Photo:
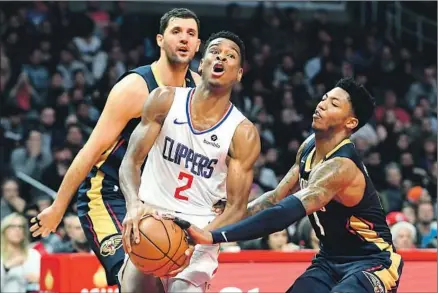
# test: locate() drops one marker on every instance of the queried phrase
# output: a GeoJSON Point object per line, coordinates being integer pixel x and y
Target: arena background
{"type": "Point", "coordinates": [60, 59]}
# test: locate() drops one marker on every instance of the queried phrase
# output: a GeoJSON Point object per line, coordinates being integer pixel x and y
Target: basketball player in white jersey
{"type": "Point", "coordinates": [201, 149]}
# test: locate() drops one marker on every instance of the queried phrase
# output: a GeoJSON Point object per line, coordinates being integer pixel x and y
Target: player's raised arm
{"type": "Point", "coordinates": [124, 103]}
{"type": "Point", "coordinates": [143, 137]}
{"type": "Point", "coordinates": [287, 185]}
{"type": "Point", "coordinates": [324, 183]}
{"type": "Point", "coordinates": [244, 151]}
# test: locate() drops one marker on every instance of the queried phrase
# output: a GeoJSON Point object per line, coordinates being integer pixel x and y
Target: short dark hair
{"type": "Point", "coordinates": [230, 36]}
{"type": "Point", "coordinates": [362, 101]}
{"type": "Point", "coordinates": [177, 13]}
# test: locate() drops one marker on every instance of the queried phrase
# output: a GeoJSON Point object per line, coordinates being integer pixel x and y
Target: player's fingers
{"type": "Point", "coordinates": [189, 252]}
{"type": "Point", "coordinates": [37, 233]}
{"type": "Point", "coordinates": [34, 228]}
{"type": "Point", "coordinates": [168, 216]}
{"type": "Point", "coordinates": [127, 236]}
{"type": "Point", "coordinates": [156, 215]}
{"type": "Point", "coordinates": [176, 272]}
{"type": "Point", "coordinates": [136, 232]}
{"type": "Point", "coordinates": [182, 223]}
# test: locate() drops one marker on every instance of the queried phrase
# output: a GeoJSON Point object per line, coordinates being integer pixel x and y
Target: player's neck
{"type": "Point", "coordinates": [208, 101]}
{"type": "Point", "coordinates": [326, 142]}
{"type": "Point", "coordinates": [171, 74]}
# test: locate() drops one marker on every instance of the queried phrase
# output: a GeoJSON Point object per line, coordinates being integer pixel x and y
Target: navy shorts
{"type": "Point", "coordinates": [101, 210]}
{"type": "Point", "coordinates": [375, 274]}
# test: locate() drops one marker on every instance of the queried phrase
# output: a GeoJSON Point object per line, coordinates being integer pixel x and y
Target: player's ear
{"type": "Point", "coordinates": [198, 44]}
{"type": "Point", "coordinates": [160, 39]}
{"type": "Point", "coordinates": [200, 66]}
{"type": "Point", "coordinates": [239, 74]}
{"type": "Point", "coordinates": [352, 123]}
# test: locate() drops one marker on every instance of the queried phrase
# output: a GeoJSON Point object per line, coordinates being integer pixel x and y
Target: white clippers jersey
{"type": "Point", "coordinates": [186, 169]}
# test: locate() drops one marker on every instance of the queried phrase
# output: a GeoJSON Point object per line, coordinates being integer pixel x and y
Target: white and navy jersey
{"type": "Point", "coordinates": [186, 169]}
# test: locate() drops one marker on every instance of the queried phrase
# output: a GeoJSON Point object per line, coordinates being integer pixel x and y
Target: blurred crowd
{"type": "Point", "coordinates": [57, 68]}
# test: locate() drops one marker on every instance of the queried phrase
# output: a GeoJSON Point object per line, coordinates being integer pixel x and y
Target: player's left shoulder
{"type": "Point", "coordinates": [246, 132]}
{"type": "Point", "coordinates": [246, 141]}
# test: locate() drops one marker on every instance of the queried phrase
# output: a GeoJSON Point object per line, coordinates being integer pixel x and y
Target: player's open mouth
{"type": "Point", "coordinates": [218, 69]}
{"type": "Point", "coordinates": [183, 50]}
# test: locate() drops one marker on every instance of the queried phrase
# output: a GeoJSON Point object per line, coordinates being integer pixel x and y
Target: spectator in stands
{"type": "Point", "coordinates": [77, 242]}
{"type": "Point", "coordinates": [20, 264]}
{"type": "Point", "coordinates": [53, 174]}
{"type": "Point", "coordinates": [425, 216]}
{"type": "Point", "coordinates": [31, 159]}
{"type": "Point", "coordinates": [391, 104]}
{"type": "Point", "coordinates": [68, 66]}
{"type": "Point", "coordinates": [278, 241]}
{"type": "Point", "coordinates": [410, 213]}
{"type": "Point", "coordinates": [11, 201]}
{"type": "Point", "coordinates": [5, 70]}
{"type": "Point", "coordinates": [391, 196]}
{"type": "Point", "coordinates": [306, 235]}
{"type": "Point", "coordinates": [374, 166]}
{"type": "Point", "coordinates": [404, 235]}
{"type": "Point", "coordinates": [23, 94]}
{"type": "Point", "coordinates": [75, 138]}
{"type": "Point", "coordinates": [37, 72]}
{"type": "Point", "coordinates": [47, 122]}
{"type": "Point", "coordinates": [427, 87]}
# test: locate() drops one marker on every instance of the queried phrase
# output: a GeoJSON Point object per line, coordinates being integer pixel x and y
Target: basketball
{"type": "Point", "coordinates": [161, 248]}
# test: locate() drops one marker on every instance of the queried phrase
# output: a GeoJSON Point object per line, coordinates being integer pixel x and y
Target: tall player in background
{"type": "Point", "coordinates": [337, 194]}
{"type": "Point", "coordinates": [101, 205]}
{"type": "Point", "coordinates": [202, 150]}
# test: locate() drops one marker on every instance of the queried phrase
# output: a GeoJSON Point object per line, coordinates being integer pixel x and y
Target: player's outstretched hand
{"type": "Point", "coordinates": [134, 213]}
{"type": "Point", "coordinates": [197, 235]}
{"type": "Point", "coordinates": [46, 222]}
{"type": "Point", "coordinates": [188, 253]}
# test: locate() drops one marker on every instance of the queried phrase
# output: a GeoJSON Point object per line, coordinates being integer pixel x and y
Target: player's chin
{"type": "Point", "coordinates": [216, 82]}
{"type": "Point", "coordinates": [183, 59]}
{"type": "Point", "coordinates": [316, 126]}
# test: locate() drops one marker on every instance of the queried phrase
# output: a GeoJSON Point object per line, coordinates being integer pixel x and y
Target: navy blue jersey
{"type": "Point", "coordinates": [348, 231]}
{"type": "Point", "coordinates": [109, 162]}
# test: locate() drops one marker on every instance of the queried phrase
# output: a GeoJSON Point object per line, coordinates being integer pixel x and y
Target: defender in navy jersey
{"type": "Point", "coordinates": [357, 254]}
{"type": "Point", "coordinates": [94, 171]}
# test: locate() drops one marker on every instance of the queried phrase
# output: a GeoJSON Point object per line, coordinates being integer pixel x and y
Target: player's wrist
{"type": "Point", "coordinates": [135, 202]}
{"type": "Point", "coordinates": [218, 237]}
{"type": "Point", "coordinates": [59, 207]}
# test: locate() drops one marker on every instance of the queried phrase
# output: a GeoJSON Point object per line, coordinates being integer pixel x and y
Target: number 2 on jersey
{"type": "Point", "coordinates": [178, 190]}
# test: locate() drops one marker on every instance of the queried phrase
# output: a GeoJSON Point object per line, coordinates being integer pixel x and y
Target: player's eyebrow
{"type": "Point", "coordinates": [232, 47]}
{"type": "Point", "coordinates": [237, 51]}
{"type": "Point", "coordinates": [192, 30]}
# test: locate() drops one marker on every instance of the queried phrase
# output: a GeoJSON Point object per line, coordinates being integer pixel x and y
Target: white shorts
{"type": "Point", "coordinates": [204, 262]}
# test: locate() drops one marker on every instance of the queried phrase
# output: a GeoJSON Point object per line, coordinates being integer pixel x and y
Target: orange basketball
{"type": "Point", "coordinates": [161, 248]}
